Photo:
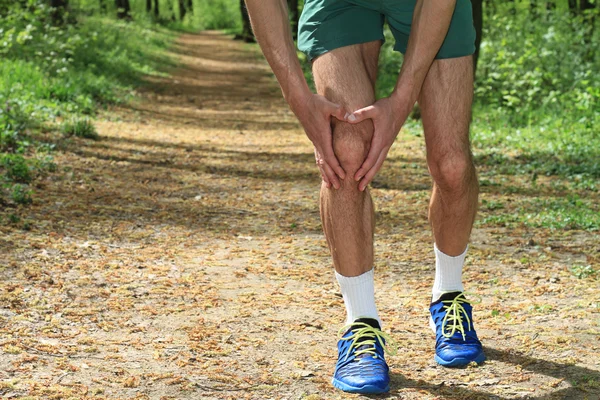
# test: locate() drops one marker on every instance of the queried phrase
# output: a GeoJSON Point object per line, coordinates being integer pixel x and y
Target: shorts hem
{"type": "Point", "coordinates": [442, 55]}
{"type": "Point", "coordinates": [343, 41]}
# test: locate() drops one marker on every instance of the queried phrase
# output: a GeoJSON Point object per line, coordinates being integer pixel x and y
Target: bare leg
{"type": "Point", "coordinates": [445, 103]}
{"type": "Point", "coordinates": [347, 76]}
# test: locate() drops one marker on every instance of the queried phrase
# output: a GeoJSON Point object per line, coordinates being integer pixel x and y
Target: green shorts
{"type": "Point", "coordinates": [328, 24]}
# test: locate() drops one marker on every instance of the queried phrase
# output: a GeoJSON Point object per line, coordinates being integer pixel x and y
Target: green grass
{"type": "Point", "coordinates": [80, 127]}
{"type": "Point", "coordinates": [51, 73]}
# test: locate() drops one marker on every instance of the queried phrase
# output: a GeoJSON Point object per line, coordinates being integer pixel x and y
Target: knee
{"type": "Point", "coordinates": [453, 171]}
{"type": "Point", "coordinates": [351, 144]}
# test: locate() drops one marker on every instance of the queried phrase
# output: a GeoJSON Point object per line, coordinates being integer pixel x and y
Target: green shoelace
{"type": "Point", "coordinates": [366, 335]}
{"type": "Point", "coordinates": [454, 315]}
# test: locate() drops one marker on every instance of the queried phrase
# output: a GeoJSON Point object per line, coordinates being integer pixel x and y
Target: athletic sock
{"type": "Point", "coordinates": [359, 296]}
{"type": "Point", "coordinates": [448, 273]}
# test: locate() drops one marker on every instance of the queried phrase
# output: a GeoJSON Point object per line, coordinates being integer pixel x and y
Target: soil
{"type": "Point", "coordinates": [181, 257]}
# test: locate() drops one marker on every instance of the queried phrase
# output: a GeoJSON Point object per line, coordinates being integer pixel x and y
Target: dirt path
{"type": "Point", "coordinates": [181, 257]}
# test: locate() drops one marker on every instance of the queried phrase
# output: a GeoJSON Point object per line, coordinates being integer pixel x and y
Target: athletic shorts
{"type": "Point", "coordinates": [328, 24]}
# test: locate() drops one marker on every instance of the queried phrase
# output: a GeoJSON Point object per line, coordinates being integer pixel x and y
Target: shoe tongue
{"type": "Point", "coordinates": [446, 297]}
{"type": "Point", "coordinates": [369, 321]}
{"type": "Point", "coordinates": [372, 323]}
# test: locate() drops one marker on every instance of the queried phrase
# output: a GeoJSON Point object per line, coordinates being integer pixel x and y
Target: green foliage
{"type": "Point", "coordinates": [583, 272]}
{"type": "Point", "coordinates": [16, 168]}
{"type": "Point", "coordinates": [218, 14]}
{"type": "Point", "coordinates": [541, 67]}
{"type": "Point", "coordinates": [66, 71]}
{"type": "Point", "coordinates": [81, 127]}
{"type": "Point", "coordinates": [21, 194]}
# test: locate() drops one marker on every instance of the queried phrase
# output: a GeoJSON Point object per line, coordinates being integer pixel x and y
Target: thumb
{"type": "Point", "coordinates": [362, 114]}
{"type": "Point", "coordinates": [337, 111]}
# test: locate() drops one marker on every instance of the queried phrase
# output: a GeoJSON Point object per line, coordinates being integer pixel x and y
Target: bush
{"type": "Point", "coordinates": [21, 194]}
{"type": "Point", "coordinates": [538, 67]}
{"type": "Point", "coordinates": [218, 14]}
{"type": "Point", "coordinates": [16, 168]}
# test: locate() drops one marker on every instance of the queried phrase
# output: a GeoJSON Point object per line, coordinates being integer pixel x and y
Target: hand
{"type": "Point", "coordinates": [315, 113]}
{"type": "Point", "coordinates": [388, 117]}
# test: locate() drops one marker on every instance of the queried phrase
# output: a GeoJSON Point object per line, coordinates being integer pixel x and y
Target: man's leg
{"type": "Point", "coordinates": [445, 103]}
{"type": "Point", "coordinates": [347, 76]}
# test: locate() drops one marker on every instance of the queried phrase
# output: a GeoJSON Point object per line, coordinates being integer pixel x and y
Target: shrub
{"type": "Point", "coordinates": [16, 168]}
{"type": "Point", "coordinates": [21, 194]}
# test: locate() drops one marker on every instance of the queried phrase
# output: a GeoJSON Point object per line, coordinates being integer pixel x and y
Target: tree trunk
{"type": "Point", "coordinates": [586, 5]}
{"type": "Point", "coordinates": [148, 6]}
{"type": "Point", "coordinates": [123, 9]}
{"type": "Point", "coordinates": [590, 20]}
{"type": "Point", "coordinates": [573, 6]}
{"type": "Point", "coordinates": [58, 10]}
{"type": "Point", "coordinates": [156, 11]}
{"type": "Point", "coordinates": [294, 15]}
{"type": "Point", "coordinates": [247, 34]}
{"type": "Point", "coordinates": [478, 23]}
{"type": "Point", "coordinates": [182, 9]}
{"type": "Point", "coordinates": [190, 6]}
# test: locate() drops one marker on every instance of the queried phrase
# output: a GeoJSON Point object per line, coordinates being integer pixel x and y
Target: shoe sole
{"type": "Point", "coordinates": [366, 389]}
{"type": "Point", "coordinates": [459, 361]}
{"type": "Point", "coordinates": [455, 362]}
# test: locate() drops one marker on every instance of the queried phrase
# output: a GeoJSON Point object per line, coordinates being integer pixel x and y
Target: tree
{"type": "Point", "coordinates": [586, 5]}
{"type": "Point", "coordinates": [478, 23]}
{"type": "Point", "coordinates": [123, 9]}
{"type": "Point", "coordinates": [156, 11]}
{"type": "Point", "coordinates": [247, 35]}
{"type": "Point", "coordinates": [148, 6]}
{"type": "Point", "coordinates": [190, 6]}
{"type": "Point", "coordinates": [182, 10]}
{"type": "Point", "coordinates": [294, 15]}
{"type": "Point", "coordinates": [573, 6]}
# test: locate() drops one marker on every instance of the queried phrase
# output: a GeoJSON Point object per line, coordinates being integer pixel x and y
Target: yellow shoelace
{"type": "Point", "coordinates": [369, 336]}
{"type": "Point", "coordinates": [454, 313]}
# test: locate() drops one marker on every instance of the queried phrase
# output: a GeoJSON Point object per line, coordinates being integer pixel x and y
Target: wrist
{"type": "Point", "coordinates": [402, 103]}
{"type": "Point", "coordinates": [297, 98]}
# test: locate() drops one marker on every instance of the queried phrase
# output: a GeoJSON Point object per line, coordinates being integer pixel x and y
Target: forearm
{"type": "Point", "coordinates": [431, 20]}
{"type": "Point", "coordinates": [271, 27]}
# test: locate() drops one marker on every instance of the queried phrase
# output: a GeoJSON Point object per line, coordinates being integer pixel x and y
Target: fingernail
{"type": "Point", "coordinates": [346, 116]}
{"type": "Point", "coordinates": [358, 178]}
{"type": "Point", "coordinates": [351, 117]}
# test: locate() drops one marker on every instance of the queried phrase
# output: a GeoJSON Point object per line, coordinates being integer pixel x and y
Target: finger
{"type": "Point", "coordinates": [331, 176]}
{"type": "Point", "coordinates": [372, 157]}
{"type": "Point", "coordinates": [324, 178]}
{"type": "Point", "coordinates": [357, 116]}
{"type": "Point", "coordinates": [319, 162]}
{"type": "Point", "coordinates": [337, 111]}
{"type": "Point", "coordinates": [333, 163]}
{"type": "Point", "coordinates": [372, 172]}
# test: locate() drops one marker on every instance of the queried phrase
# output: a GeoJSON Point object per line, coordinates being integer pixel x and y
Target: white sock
{"type": "Point", "coordinates": [359, 296]}
{"type": "Point", "coordinates": [448, 273]}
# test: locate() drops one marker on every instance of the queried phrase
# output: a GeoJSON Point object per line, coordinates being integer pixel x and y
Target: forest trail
{"type": "Point", "coordinates": [181, 257]}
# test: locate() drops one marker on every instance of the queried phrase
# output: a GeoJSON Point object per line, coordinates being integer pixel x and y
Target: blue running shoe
{"type": "Point", "coordinates": [361, 366]}
{"type": "Point", "coordinates": [456, 342]}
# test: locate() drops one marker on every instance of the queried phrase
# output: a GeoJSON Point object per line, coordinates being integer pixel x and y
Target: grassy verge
{"type": "Point", "coordinates": [53, 79]}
